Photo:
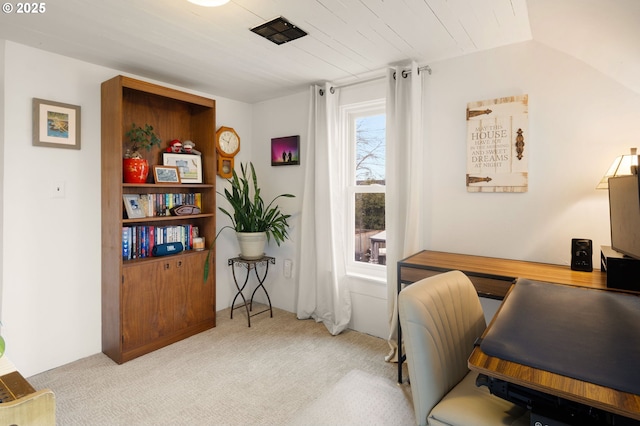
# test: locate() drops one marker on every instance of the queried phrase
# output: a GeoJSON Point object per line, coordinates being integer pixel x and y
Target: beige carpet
{"type": "Point", "coordinates": [234, 375]}
{"type": "Point", "coordinates": [359, 398]}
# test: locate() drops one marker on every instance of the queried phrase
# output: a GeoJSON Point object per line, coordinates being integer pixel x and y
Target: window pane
{"type": "Point", "coordinates": [370, 150]}
{"type": "Point", "coordinates": [370, 238]}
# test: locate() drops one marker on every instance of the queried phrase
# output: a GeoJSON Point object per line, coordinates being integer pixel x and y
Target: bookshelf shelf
{"type": "Point", "coordinates": [143, 220]}
{"type": "Point", "coordinates": [168, 186]}
{"type": "Point", "coordinates": [150, 302]}
{"type": "Point", "coordinates": [184, 254]}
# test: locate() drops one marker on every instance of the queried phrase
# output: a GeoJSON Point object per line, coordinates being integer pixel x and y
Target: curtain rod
{"type": "Point", "coordinates": [405, 74]}
{"type": "Point", "coordinates": [426, 68]}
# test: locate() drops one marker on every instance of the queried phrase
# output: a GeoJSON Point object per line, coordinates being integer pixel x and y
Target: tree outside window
{"type": "Point", "coordinates": [369, 188]}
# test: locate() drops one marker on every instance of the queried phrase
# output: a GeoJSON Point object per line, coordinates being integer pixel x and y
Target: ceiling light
{"type": "Point", "coordinates": [209, 3]}
{"type": "Point", "coordinates": [279, 30]}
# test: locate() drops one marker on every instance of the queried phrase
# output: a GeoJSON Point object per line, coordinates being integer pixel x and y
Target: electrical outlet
{"type": "Point", "coordinates": [288, 266]}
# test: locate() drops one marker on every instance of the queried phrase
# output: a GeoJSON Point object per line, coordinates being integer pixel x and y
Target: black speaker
{"type": "Point", "coordinates": [167, 249]}
{"type": "Point", "coordinates": [581, 255]}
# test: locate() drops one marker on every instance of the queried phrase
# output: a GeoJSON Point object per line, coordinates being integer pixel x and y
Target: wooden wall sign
{"type": "Point", "coordinates": [497, 145]}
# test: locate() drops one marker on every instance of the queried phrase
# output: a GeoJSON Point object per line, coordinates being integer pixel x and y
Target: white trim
{"type": "Point", "coordinates": [374, 273]}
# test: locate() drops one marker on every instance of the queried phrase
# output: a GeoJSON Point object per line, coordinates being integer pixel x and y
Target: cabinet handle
{"type": "Point", "coordinates": [179, 263]}
{"type": "Point", "coordinates": [166, 266]}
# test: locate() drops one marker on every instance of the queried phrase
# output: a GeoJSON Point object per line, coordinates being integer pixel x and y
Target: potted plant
{"type": "Point", "coordinates": [135, 167]}
{"type": "Point", "coordinates": [255, 222]}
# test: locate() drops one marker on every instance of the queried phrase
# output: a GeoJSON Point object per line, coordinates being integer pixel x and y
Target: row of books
{"type": "Point", "coordinates": [150, 205]}
{"type": "Point", "coordinates": [138, 241]}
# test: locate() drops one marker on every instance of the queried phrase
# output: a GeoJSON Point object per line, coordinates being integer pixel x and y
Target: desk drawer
{"type": "Point", "coordinates": [493, 287]}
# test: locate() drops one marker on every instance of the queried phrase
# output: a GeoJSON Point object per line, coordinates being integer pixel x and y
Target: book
{"type": "Point", "coordinates": [138, 241]}
{"type": "Point", "coordinates": [126, 243]}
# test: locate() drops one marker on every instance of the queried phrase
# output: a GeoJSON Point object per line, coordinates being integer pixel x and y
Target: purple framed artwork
{"type": "Point", "coordinates": [285, 151]}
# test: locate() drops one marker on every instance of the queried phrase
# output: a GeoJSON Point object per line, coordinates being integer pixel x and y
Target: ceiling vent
{"type": "Point", "coordinates": [279, 30]}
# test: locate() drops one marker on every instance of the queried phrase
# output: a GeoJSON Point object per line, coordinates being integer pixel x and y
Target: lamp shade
{"type": "Point", "coordinates": [621, 166]}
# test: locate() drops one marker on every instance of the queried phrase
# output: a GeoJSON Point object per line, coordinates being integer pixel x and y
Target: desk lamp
{"type": "Point", "coordinates": [621, 166]}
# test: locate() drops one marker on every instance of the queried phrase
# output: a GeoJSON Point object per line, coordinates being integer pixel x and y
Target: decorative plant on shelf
{"type": "Point", "coordinates": [251, 218]}
{"type": "Point", "coordinates": [141, 138]}
{"type": "Point", "coordinates": [136, 168]}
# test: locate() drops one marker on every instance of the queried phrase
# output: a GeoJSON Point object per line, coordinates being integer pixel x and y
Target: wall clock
{"type": "Point", "coordinates": [227, 146]}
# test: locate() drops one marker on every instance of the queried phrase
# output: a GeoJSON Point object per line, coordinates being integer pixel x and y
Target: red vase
{"type": "Point", "coordinates": [135, 170]}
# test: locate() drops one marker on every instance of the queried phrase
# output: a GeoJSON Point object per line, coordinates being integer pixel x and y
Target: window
{"type": "Point", "coordinates": [365, 130]}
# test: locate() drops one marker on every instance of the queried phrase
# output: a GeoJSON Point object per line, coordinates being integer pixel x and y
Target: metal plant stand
{"type": "Point", "coordinates": [249, 265]}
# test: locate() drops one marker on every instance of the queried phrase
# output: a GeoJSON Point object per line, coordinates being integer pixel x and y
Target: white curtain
{"type": "Point", "coordinates": [323, 293]}
{"type": "Point", "coordinates": [405, 179]}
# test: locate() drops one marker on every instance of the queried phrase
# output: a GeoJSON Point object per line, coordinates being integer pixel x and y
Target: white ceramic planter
{"type": "Point", "coordinates": [251, 244]}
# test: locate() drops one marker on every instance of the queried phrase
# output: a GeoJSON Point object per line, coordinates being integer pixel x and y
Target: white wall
{"type": "Point", "coordinates": [286, 116]}
{"type": "Point", "coordinates": [579, 121]}
{"type": "Point", "coordinates": [50, 299]}
{"type": "Point", "coordinates": [51, 276]}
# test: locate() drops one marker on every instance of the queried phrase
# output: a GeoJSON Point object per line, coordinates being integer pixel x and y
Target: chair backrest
{"type": "Point", "coordinates": [36, 409]}
{"type": "Point", "coordinates": [441, 317]}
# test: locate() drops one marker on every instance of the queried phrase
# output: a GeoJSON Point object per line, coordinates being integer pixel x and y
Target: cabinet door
{"type": "Point", "coordinates": [147, 304]}
{"type": "Point", "coordinates": [193, 297]}
{"type": "Point", "coordinates": [164, 297]}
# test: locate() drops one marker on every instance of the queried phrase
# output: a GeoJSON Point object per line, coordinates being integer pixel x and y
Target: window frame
{"type": "Point", "coordinates": [349, 113]}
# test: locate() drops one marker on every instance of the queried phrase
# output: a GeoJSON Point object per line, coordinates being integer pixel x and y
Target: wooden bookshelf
{"type": "Point", "coordinates": [150, 302]}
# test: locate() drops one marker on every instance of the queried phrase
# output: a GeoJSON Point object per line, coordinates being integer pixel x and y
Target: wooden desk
{"type": "Point", "coordinates": [492, 277]}
{"type": "Point", "coordinates": [590, 394]}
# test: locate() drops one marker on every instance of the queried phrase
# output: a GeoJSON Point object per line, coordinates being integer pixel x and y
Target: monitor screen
{"type": "Point", "coordinates": [624, 212]}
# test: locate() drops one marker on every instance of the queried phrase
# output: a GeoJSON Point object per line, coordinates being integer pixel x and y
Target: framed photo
{"type": "Point", "coordinates": [133, 206]}
{"type": "Point", "coordinates": [55, 124]}
{"type": "Point", "coordinates": [285, 151]}
{"type": "Point", "coordinates": [189, 166]}
{"type": "Point", "coordinates": [166, 174]}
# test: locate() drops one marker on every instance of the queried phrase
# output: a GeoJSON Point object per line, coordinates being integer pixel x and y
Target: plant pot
{"type": "Point", "coordinates": [135, 170]}
{"type": "Point", "coordinates": [251, 244]}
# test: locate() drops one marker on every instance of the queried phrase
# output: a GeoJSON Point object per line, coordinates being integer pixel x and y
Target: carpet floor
{"type": "Point", "coordinates": [359, 398]}
{"type": "Point", "coordinates": [280, 370]}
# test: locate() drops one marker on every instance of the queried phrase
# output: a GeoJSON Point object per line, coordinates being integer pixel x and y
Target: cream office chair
{"type": "Point", "coordinates": [441, 317]}
{"type": "Point", "coordinates": [35, 409]}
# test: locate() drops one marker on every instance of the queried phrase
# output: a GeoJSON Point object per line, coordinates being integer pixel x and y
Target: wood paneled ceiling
{"type": "Point", "coordinates": [213, 49]}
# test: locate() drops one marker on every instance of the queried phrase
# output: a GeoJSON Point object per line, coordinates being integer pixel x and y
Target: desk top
{"type": "Point", "coordinates": [495, 267]}
{"type": "Point", "coordinates": [520, 346]}
{"type": "Point", "coordinates": [583, 333]}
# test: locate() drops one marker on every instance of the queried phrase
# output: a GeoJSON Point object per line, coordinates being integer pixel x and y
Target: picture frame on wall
{"type": "Point", "coordinates": [55, 124]}
{"type": "Point", "coordinates": [189, 166]}
{"type": "Point", "coordinates": [166, 174]}
{"type": "Point", "coordinates": [285, 151]}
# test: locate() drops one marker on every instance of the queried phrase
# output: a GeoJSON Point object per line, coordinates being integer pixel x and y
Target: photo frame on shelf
{"type": "Point", "coordinates": [55, 124]}
{"type": "Point", "coordinates": [189, 166]}
{"type": "Point", "coordinates": [133, 206]}
{"type": "Point", "coordinates": [166, 174]}
{"type": "Point", "coordinates": [285, 151]}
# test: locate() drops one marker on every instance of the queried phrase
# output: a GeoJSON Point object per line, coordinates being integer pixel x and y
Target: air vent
{"type": "Point", "coordinates": [279, 31]}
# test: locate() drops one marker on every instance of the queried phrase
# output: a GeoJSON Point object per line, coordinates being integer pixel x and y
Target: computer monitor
{"type": "Point", "coordinates": [624, 212]}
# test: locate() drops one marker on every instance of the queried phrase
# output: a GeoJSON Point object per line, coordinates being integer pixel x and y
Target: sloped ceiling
{"type": "Point", "coordinates": [212, 49]}
{"type": "Point", "coordinates": [603, 33]}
